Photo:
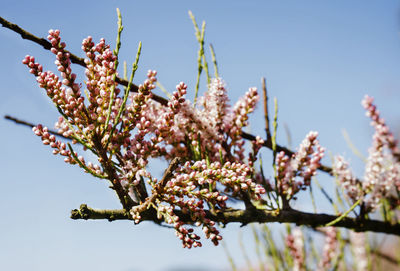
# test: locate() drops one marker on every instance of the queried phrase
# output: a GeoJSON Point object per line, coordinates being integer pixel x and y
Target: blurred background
{"type": "Point", "coordinates": [320, 58]}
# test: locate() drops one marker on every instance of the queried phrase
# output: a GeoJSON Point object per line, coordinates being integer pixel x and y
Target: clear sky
{"type": "Point", "coordinates": [320, 58]}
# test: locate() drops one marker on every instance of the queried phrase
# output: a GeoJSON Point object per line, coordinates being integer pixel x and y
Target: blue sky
{"type": "Point", "coordinates": [320, 58]}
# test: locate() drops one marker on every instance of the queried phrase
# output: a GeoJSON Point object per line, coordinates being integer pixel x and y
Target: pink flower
{"type": "Point", "coordinates": [295, 173]}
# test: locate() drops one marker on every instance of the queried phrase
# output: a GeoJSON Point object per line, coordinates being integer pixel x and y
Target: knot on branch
{"type": "Point", "coordinates": [82, 213]}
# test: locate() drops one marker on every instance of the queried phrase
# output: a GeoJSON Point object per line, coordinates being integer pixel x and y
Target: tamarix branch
{"type": "Point", "coordinates": [214, 175]}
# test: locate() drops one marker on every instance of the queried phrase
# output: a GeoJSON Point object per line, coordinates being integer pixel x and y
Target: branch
{"type": "Point", "coordinates": [86, 212]}
{"type": "Point", "coordinates": [386, 257]}
{"type": "Point", "coordinates": [159, 187]}
{"type": "Point", "coordinates": [266, 116]}
{"type": "Point", "coordinates": [80, 61]}
{"type": "Point", "coordinates": [22, 122]}
{"type": "Point", "coordinates": [248, 216]}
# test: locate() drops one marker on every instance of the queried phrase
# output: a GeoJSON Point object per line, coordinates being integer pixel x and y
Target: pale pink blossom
{"type": "Point", "coordinates": [347, 180]}
{"type": "Point", "coordinates": [329, 250]}
{"type": "Point", "coordinates": [295, 243]}
{"type": "Point", "coordinates": [295, 173]}
{"type": "Point", "coordinates": [358, 245]}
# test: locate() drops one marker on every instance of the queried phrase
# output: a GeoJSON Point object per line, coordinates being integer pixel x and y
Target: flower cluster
{"type": "Point", "coordinates": [58, 147]}
{"type": "Point", "coordinates": [209, 130]}
{"type": "Point", "coordinates": [384, 137]}
{"type": "Point", "coordinates": [382, 169]}
{"type": "Point", "coordinates": [295, 173]}
{"type": "Point", "coordinates": [125, 131]}
{"type": "Point", "coordinates": [329, 250]}
{"type": "Point", "coordinates": [295, 243]}
{"type": "Point", "coordinates": [346, 178]}
{"type": "Point", "coordinates": [358, 245]}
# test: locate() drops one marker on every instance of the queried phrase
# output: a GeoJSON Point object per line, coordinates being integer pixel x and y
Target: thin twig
{"type": "Point", "coordinates": [200, 55]}
{"type": "Point", "coordinates": [352, 147]}
{"type": "Point", "coordinates": [266, 116]}
{"type": "Point", "coordinates": [344, 214]}
{"type": "Point", "coordinates": [214, 60]}
{"type": "Point", "coordinates": [116, 52]}
{"type": "Point", "coordinates": [128, 88]}
{"type": "Point", "coordinates": [22, 122]}
{"type": "Point", "coordinates": [82, 165]}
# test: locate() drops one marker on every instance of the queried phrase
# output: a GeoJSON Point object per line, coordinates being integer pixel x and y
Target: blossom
{"type": "Point", "coordinates": [346, 178]}
{"type": "Point", "coordinates": [215, 105]}
{"type": "Point", "coordinates": [329, 250]}
{"type": "Point", "coordinates": [384, 137]}
{"type": "Point", "coordinates": [357, 240]}
{"type": "Point", "coordinates": [382, 170]}
{"type": "Point", "coordinates": [295, 173]}
{"type": "Point", "coordinates": [295, 243]}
